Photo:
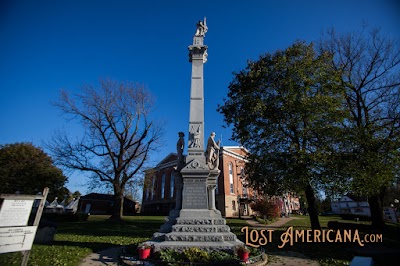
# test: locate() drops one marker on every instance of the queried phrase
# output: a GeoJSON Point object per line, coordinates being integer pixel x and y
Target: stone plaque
{"type": "Point", "coordinates": [194, 194]}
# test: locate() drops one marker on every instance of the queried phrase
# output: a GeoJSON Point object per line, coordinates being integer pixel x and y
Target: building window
{"type": "Point", "coordinates": [244, 191]}
{"type": "Point", "coordinates": [233, 205]}
{"type": "Point", "coordinates": [171, 185]}
{"type": "Point", "coordinates": [241, 172]}
{"type": "Point", "coordinates": [255, 194]}
{"type": "Point", "coordinates": [231, 178]}
{"type": "Point", "coordinates": [358, 210]}
{"type": "Point", "coordinates": [153, 183]}
{"type": "Point", "coordinates": [162, 186]}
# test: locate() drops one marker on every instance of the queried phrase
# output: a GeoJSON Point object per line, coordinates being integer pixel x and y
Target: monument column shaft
{"type": "Point", "coordinates": [197, 56]}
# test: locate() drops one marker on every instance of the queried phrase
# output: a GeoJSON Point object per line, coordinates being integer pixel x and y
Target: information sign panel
{"type": "Point", "coordinates": [16, 238]}
{"type": "Point", "coordinates": [15, 212]}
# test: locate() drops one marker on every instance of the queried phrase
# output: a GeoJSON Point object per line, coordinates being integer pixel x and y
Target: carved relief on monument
{"type": "Point", "coordinates": [205, 57]}
{"type": "Point", "coordinates": [195, 164]}
{"type": "Point", "coordinates": [198, 52]}
{"type": "Point", "coordinates": [195, 136]}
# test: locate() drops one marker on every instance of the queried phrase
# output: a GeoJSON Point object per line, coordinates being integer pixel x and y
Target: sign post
{"type": "Point", "coordinates": [15, 234]}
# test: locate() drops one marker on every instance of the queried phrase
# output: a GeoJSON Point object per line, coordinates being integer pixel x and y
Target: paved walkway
{"type": "Point", "coordinates": [276, 224]}
{"type": "Point", "coordinates": [105, 257]}
{"type": "Point", "coordinates": [289, 258]}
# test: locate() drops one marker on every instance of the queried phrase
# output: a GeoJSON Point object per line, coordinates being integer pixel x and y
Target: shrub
{"type": "Point", "coordinates": [197, 256]}
{"type": "Point", "coordinates": [266, 208]}
{"type": "Point", "coordinates": [242, 248]}
{"type": "Point", "coordinates": [220, 256]}
{"type": "Point", "coordinates": [169, 256]}
{"type": "Point", "coordinates": [144, 245]}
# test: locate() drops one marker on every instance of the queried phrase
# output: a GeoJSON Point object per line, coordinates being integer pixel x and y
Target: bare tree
{"type": "Point", "coordinates": [370, 66]}
{"type": "Point", "coordinates": [118, 134]}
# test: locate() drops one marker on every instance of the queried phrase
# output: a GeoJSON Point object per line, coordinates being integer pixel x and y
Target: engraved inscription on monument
{"type": "Point", "coordinates": [195, 194]}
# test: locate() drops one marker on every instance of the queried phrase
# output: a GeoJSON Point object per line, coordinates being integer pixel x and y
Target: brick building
{"type": "Point", "coordinates": [159, 187]}
{"type": "Point", "coordinates": [231, 194]}
{"type": "Point", "coordinates": [95, 203]}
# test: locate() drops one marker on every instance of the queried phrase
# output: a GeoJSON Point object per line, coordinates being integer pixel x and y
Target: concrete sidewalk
{"type": "Point", "coordinates": [290, 258]}
{"type": "Point", "coordinates": [104, 257]}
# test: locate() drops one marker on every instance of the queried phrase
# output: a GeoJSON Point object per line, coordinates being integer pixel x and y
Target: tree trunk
{"type": "Point", "coordinates": [312, 208]}
{"type": "Point", "coordinates": [375, 205]}
{"type": "Point", "coordinates": [118, 204]}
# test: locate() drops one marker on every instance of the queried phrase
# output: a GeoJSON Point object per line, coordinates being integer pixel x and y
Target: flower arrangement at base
{"type": "Point", "coordinates": [243, 252]}
{"type": "Point", "coordinates": [144, 250]}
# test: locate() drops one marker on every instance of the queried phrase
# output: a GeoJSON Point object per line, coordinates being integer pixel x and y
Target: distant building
{"type": "Point", "coordinates": [389, 213]}
{"type": "Point", "coordinates": [288, 203]}
{"type": "Point", "coordinates": [159, 187]}
{"type": "Point", "coordinates": [95, 203]}
{"type": "Point", "coordinates": [351, 205]}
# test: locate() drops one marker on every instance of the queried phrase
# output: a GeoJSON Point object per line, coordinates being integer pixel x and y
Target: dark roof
{"type": "Point", "coordinates": [98, 196]}
{"type": "Point", "coordinates": [357, 198]}
{"type": "Point", "coordinates": [170, 158]}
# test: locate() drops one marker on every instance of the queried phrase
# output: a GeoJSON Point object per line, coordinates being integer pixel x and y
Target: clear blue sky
{"type": "Point", "coordinates": [49, 45]}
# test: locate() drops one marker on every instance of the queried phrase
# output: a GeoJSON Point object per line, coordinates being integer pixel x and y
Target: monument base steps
{"type": "Point", "coordinates": [226, 246]}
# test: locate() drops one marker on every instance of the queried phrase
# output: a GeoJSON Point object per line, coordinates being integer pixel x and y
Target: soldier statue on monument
{"type": "Point", "coordinates": [213, 152]}
{"type": "Point", "coordinates": [180, 145]}
{"type": "Point", "coordinates": [201, 28]}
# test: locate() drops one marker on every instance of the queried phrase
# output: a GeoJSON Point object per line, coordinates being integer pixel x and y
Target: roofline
{"type": "Point", "coordinates": [234, 154]}
{"type": "Point", "coordinates": [236, 147]}
{"type": "Point", "coordinates": [161, 162]}
{"type": "Point", "coordinates": [161, 165]}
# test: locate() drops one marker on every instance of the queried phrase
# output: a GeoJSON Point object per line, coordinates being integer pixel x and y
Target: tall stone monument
{"type": "Point", "coordinates": [195, 222]}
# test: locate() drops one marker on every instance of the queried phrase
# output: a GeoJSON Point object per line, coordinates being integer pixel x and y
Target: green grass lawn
{"type": "Point", "coordinates": [75, 240]}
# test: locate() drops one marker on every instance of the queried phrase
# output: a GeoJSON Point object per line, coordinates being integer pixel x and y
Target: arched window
{"type": "Point", "coordinates": [162, 186]}
{"type": "Point", "coordinates": [231, 178]}
{"type": "Point", "coordinates": [171, 185]}
{"type": "Point", "coordinates": [153, 183]}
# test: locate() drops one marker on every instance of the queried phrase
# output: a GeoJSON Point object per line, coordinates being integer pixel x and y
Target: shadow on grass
{"type": "Point", "coordinates": [137, 227]}
{"type": "Point", "coordinates": [94, 246]}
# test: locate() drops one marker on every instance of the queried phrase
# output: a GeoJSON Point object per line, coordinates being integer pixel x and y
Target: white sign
{"type": "Point", "coordinates": [16, 238]}
{"type": "Point", "coordinates": [15, 212]}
